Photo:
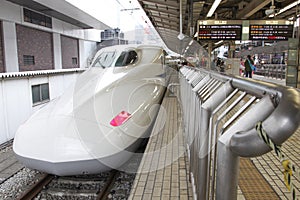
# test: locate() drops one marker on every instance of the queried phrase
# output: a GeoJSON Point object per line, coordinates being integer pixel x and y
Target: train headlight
{"type": "Point", "coordinates": [120, 119]}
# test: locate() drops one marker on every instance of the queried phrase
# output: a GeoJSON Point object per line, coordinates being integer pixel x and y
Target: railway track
{"type": "Point", "coordinates": [8, 163]}
{"type": "Point", "coordinates": [6, 144]}
{"type": "Point", "coordinates": [100, 186]}
{"type": "Point", "coordinates": [106, 185]}
{"type": "Point", "coordinates": [26, 184]}
{"type": "Point", "coordinates": [78, 187]}
{"type": "Point", "coordinates": [34, 189]}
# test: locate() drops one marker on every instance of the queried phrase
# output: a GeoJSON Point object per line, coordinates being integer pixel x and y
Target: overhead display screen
{"type": "Point", "coordinates": [244, 30]}
{"type": "Point", "coordinates": [219, 30]}
{"type": "Point", "coordinates": [270, 32]}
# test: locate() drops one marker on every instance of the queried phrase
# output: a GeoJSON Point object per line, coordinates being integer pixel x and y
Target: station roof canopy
{"type": "Point", "coordinates": [165, 14]}
{"type": "Point", "coordinates": [64, 11]}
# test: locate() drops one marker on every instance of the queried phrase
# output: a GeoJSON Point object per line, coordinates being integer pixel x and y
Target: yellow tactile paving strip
{"type": "Point", "coordinates": [270, 167]}
{"type": "Point", "coordinates": [171, 179]}
{"type": "Point", "coordinates": [253, 184]}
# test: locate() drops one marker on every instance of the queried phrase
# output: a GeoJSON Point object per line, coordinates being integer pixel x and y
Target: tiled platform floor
{"type": "Point", "coordinates": [164, 170]}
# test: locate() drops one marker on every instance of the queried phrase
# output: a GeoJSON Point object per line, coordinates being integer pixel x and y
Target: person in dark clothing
{"type": "Point", "coordinates": [248, 69]}
{"type": "Point", "coordinates": [218, 62]}
{"type": "Point", "coordinates": [222, 66]}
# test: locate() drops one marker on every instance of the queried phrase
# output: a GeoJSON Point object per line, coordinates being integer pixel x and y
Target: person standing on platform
{"type": "Point", "coordinates": [222, 66]}
{"type": "Point", "coordinates": [248, 69]}
{"type": "Point", "coordinates": [242, 67]}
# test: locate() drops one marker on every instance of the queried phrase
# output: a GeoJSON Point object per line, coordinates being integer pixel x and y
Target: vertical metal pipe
{"type": "Point", "coordinates": [203, 146]}
{"type": "Point", "coordinates": [227, 161]}
{"type": "Point", "coordinates": [180, 17]}
{"type": "Point", "coordinates": [180, 36]}
{"type": "Point", "coordinates": [203, 155]}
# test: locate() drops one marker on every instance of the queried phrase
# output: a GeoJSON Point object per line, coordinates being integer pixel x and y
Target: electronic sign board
{"type": "Point", "coordinates": [215, 30]}
{"type": "Point", "coordinates": [219, 30]}
{"type": "Point", "coordinates": [270, 30]}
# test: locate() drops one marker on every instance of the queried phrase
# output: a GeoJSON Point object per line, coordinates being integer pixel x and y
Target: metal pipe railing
{"type": "Point", "coordinates": [277, 71]}
{"type": "Point", "coordinates": [220, 113]}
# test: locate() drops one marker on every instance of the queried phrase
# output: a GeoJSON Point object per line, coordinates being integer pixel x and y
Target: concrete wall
{"type": "Point", "coordinates": [16, 99]}
{"type": "Point", "coordinates": [1, 50]}
{"type": "Point", "coordinates": [10, 46]}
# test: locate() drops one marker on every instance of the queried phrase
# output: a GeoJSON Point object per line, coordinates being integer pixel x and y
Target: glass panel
{"type": "Point", "coordinates": [35, 93]}
{"type": "Point", "coordinates": [48, 22]}
{"type": "Point", "coordinates": [74, 61]}
{"type": "Point", "coordinates": [27, 15]}
{"type": "Point", "coordinates": [105, 59]}
{"type": "Point", "coordinates": [37, 18]}
{"type": "Point", "coordinates": [120, 59]}
{"type": "Point", "coordinates": [131, 58]}
{"type": "Point", "coordinates": [45, 92]}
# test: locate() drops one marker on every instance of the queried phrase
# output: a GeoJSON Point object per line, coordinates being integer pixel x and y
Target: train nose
{"type": "Point", "coordinates": [47, 136]}
{"type": "Point", "coordinates": [54, 145]}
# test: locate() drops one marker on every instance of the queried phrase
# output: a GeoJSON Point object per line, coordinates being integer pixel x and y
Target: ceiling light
{"type": "Point", "coordinates": [219, 42]}
{"type": "Point", "coordinates": [213, 8]}
{"type": "Point", "coordinates": [286, 8]}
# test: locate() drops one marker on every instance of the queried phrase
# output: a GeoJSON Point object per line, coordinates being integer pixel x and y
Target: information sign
{"type": "Point", "coordinates": [271, 31]}
{"type": "Point", "coordinates": [216, 30]}
{"type": "Point", "coordinates": [219, 30]}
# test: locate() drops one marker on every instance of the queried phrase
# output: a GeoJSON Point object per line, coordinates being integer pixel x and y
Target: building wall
{"type": "Point", "coordinates": [35, 43]}
{"type": "Point", "coordinates": [16, 99]}
{"type": "Point", "coordinates": [10, 46]}
{"type": "Point", "coordinates": [70, 51]}
{"type": "Point", "coordinates": [12, 15]}
{"type": "Point", "coordinates": [2, 69]}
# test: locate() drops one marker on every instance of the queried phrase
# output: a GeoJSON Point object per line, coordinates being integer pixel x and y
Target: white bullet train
{"type": "Point", "coordinates": [99, 122]}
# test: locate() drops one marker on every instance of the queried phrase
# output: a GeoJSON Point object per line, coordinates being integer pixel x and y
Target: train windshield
{"type": "Point", "coordinates": [105, 59]}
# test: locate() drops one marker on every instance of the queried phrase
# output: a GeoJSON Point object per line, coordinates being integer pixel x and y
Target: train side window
{"type": "Point", "coordinates": [131, 58]}
{"type": "Point", "coordinates": [126, 58]}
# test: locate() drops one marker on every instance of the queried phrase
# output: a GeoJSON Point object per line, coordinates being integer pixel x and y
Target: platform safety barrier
{"type": "Point", "coordinates": [277, 71]}
{"type": "Point", "coordinates": [220, 113]}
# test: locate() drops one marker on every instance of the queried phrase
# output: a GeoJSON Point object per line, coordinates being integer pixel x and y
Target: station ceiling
{"type": "Point", "coordinates": [165, 15]}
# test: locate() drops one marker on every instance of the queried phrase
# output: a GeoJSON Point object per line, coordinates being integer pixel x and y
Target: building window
{"type": "Point", "coordinates": [28, 60]}
{"type": "Point", "coordinates": [40, 93]}
{"type": "Point", "coordinates": [37, 18]}
{"type": "Point", "coordinates": [74, 61]}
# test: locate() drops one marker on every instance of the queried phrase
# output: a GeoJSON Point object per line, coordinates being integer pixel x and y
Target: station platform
{"type": "Point", "coordinates": [165, 174]}
{"type": "Point", "coordinates": [164, 169]}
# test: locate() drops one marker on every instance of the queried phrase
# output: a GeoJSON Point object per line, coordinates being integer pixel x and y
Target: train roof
{"type": "Point", "coordinates": [121, 48]}
{"type": "Point", "coordinates": [128, 46]}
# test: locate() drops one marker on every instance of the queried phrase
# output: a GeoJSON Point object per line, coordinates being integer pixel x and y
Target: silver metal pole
{"type": "Point", "coordinates": [212, 103]}
{"type": "Point", "coordinates": [227, 161]}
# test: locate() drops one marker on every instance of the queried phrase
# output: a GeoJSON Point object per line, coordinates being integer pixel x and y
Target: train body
{"type": "Point", "coordinates": [98, 123]}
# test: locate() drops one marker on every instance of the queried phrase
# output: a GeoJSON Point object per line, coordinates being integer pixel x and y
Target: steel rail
{"type": "Point", "coordinates": [34, 189]}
